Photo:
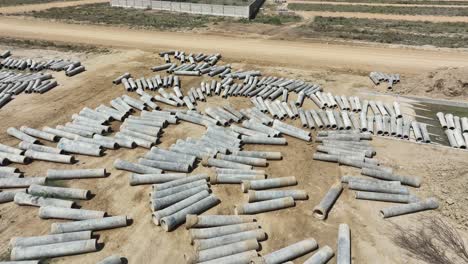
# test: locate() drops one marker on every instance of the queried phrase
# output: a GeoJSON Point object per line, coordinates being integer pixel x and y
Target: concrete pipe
{"type": "Point", "coordinates": [175, 183]}
{"type": "Point", "coordinates": [233, 178]}
{"type": "Point", "coordinates": [268, 183]}
{"type": "Point", "coordinates": [177, 189]}
{"type": "Point", "coordinates": [49, 239]}
{"type": "Point", "coordinates": [291, 130]}
{"type": "Point", "coordinates": [242, 172]}
{"type": "Point", "coordinates": [21, 135]}
{"type": "Point", "coordinates": [173, 155]}
{"type": "Point", "coordinates": [133, 167]}
{"type": "Point", "coordinates": [389, 176]}
{"type": "Point", "coordinates": [80, 148]}
{"type": "Point", "coordinates": [48, 212]}
{"type": "Point", "coordinates": [203, 244]}
{"type": "Point", "coordinates": [122, 142]}
{"type": "Point", "coordinates": [331, 119]}
{"type": "Point", "coordinates": [381, 108]}
{"type": "Point", "coordinates": [8, 170]}
{"type": "Point", "coordinates": [255, 196]}
{"type": "Point", "coordinates": [76, 131]}
{"type": "Point", "coordinates": [259, 162]}
{"type": "Point", "coordinates": [450, 121]}
{"type": "Point", "coordinates": [325, 157]}
{"type": "Point", "coordinates": [131, 133]}
{"type": "Point", "coordinates": [11, 182]}
{"type": "Point", "coordinates": [38, 134]}
{"type": "Point", "coordinates": [75, 174]}
{"type": "Point", "coordinates": [59, 133]}
{"type": "Point", "coordinates": [40, 148]}
{"type": "Point", "coordinates": [157, 215]}
{"type": "Point", "coordinates": [302, 117]}
{"type": "Point", "coordinates": [259, 154]}
{"type": "Point", "coordinates": [59, 158]}
{"type": "Point", "coordinates": [379, 124]}
{"type": "Point", "coordinates": [211, 162]}
{"type": "Point", "coordinates": [385, 197]}
{"type": "Point", "coordinates": [451, 138]}
{"type": "Point", "coordinates": [38, 201]}
{"type": "Point", "coordinates": [343, 251]}
{"type": "Point", "coordinates": [139, 141]}
{"type": "Point", "coordinates": [112, 260]}
{"type": "Point", "coordinates": [59, 192]}
{"type": "Point", "coordinates": [323, 255]}
{"type": "Point", "coordinates": [54, 250]}
{"type": "Point", "coordinates": [377, 187]}
{"type": "Point", "coordinates": [428, 204]}
{"type": "Point", "coordinates": [163, 202]}
{"type": "Point", "coordinates": [370, 125]}
{"type": "Point", "coordinates": [442, 120]}
{"type": "Point", "coordinates": [100, 143]}
{"type": "Point", "coordinates": [213, 232]}
{"type": "Point", "coordinates": [4, 174]}
{"type": "Point", "coordinates": [90, 224]}
{"type": "Point", "coordinates": [424, 133]}
{"type": "Point", "coordinates": [118, 80]}
{"type": "Point", "coordinates": [265, 206]}
{"type": "Point", "coordinates": [170, 222]}
{"type": "Point", "coordinates": [223, 251]}
{"type": "Point", "coordinates": [464, 124]}
{"type": "Point", "coordinates": [291, 252]}
{"type": "Point", "coordinates": [13, 158]}
{"type": "Point", "coordinates": [261, 128]}
{"type": "Point", "coordinates": [346, 120]}
{"type": "Point", "coordinates": [141, 179]}
{"type": "Point", "coordinates": [321, 210]}
{"type": "Point", "coordinates": [416, 130]}
{"type": "Point", "coordinates": [163, 165]}
{"type": "Point", "coordinates": [11, 150]}
{"type": "Point", "coordinates": [203, 221]}
{"type": "Point", "coordinates": [8, 196]}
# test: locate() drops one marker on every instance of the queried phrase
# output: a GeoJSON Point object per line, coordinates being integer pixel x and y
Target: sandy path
{"type": "Point", "coordinates": [38, 7]}
{"type": "Point", "coordinates": [311, 14]}
{"type": "Point", "coordinates": [374, 4]}
{"type": "Point", "coordinates": [272, 52]}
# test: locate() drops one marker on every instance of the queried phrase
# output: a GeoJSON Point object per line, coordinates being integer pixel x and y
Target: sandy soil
{"type": "Point", "coordinates": [39, 7]}
{"type": "Point", "coordinates": [261, 51]}
{"type": "Point", "coordinates": [374, 4]}
{"type": "Point", "coordinates": [142, 242]}
{"type": "Point", "coordinates": [311, 14]}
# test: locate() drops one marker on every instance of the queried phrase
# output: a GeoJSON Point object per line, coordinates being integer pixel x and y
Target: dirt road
{"type": "Point", "coordinates": [376, 4]}
{"type": "Point", "coordinates": [260, 51]}
{"type": "Point", "coordinates": [38, 7]}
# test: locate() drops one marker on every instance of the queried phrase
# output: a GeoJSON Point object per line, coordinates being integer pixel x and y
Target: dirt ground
{"type": "Point", "coordinates": [443, 170]}
{"type": "Point", "coordinates": [44, 6]}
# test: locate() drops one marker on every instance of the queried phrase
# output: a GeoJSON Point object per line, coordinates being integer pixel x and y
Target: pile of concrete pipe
{"type": "Point", "coordinates": [70, 67]}
{"type": "Point", "coordinates": [456, 129]}
{"type": "Point", "coordinates": [390, 78]}
{"type": "Point", "coordinates": [172, 200]}
{"type": "Point", "coordinates": [223, 238]}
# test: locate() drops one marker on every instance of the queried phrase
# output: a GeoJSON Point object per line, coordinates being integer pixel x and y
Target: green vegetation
{"type": "Point", "coordinates": [103, 14]}
{"type": "Point", "coordinates": [27, 2]}
{"type": "Point", "coordinates": [401, 2]}
{"type": "Point", "coordinates": [273, 19]}
{"type": "Point", "coordinates": [452, 35]}
{"type": "Point", "coordinates": [396, 10]}
{"type": "Point", "coordinates": [43, 44]}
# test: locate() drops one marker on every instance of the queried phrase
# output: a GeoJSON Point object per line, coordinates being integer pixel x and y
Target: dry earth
{"type": "Point", "coordinates": [44, 6]}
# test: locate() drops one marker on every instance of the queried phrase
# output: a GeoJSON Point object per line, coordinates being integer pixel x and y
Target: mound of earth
{"type": "Point", "coordinates": [447, 82]}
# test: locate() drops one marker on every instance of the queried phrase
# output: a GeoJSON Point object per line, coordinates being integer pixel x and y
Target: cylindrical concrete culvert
{"type": "Point", "coordinates": [288, 253]}
{"type": "Point", "coordinates": [427, 204]}
{"type": "Point", "coordinates": [265, 206]}
{"type": "Point", "coordinates": [321, 210]}
{"type": "Point", "coordinates": [54, 250]}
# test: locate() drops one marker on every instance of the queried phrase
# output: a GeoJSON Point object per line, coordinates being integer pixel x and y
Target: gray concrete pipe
{"type": "Point", "coordinates": [54, 250]}
{"type": "Point", "coordinates": [239, 258]}
{"type": "Point", "coordinates": [290, 252]}
{"type": "Point", "coordinates": [427, 204]}
{"type": "Point", "coordinates": [450, 121]}
{"type": "Point", "coordinates": [155, 194]}
{"type": "Point", "coordinates": [246, 131]}
{"type": "Point", "coordinates": [59, 133]}
{"type": "Point", "coordinates": [80, 148]}
{"type": "Point", "coordinates": [132, 133]}
{"type": "Point", "coordinates": [388, 176]}
{"type": "Point", "coordinates": [118, 80]}
{"type": "Point", "coordinates": [141, 179]}
{"type": "Point", "coordinates": [166, 201]}
{"type": "Point", "coordinates": [49, 212]}
{"type": "Point", "coordinates": [133, 167]}
{"type": "Point", "coordinates": [239, 171]}
{"type": "Point", "coordinates": [343, 251]}
{"type": "Point", "coordinates": [223, 251]}
{"type": "Point", "coordinates": [31, 200]}
{"type": "Point", "coordinates": [157, 215]}
{"type": "Point", "coordinates": [21, 135]}
{"type": "Point", "coordinates": [90, 224]}
{"type": "Point", "coordinates": [464, 124]}
{"type": "Point", "coordinates": [164, 157]}
{"type": "Point", "coordinates": [291, 130]}
{"type": "Point", "coordinates": [322, 256]}
{"type": "Point", "coordinates": [261, 128]}
{"type": "Point", "coordinates": [101, 143]}
{"type": "Point", "coordinates": [172, 154]}
{"type": "Point", "coordinates": [302, 117]}
{"type": "Point", "coordinates": [211, 162]}
{"type": "Point", "coordinates": [221, 240]}
{"type": "Point", "coordinates": [75, 132]}
{"type": "Point", "coordinates": [170, 222]}
{"type": "Point", "coordinates": [112, 260]}
{"type": "Point", "coordinates": [163, 165]}
{"type": "Point", "coordinates": [38, 134]}
{"type": "Point", "coordinates": [425, 134]}
{"type": "Point", "coordinates": [331, 119]}
{"type": "Point", "coordinates": [8, 196]}
{"type": "Point", "coordinates": [11, 150]}
{"type": "Point", "coordinates": [370, 125]}
{"type": "Point", "coordinates": [204, 221]}
{"type": "Point", "coordinates": [233, 178]}
{"type": "Point", "coordinates": [379, 124]}
{"type": "Point", "coordinates": [381, 108]}
{"type": "Point", "coordinates": [259, 162]}
{"type": "Point", "coordinates": [346, 120]}
{"type": "Point", "coordinates": [40, 148]}
{"type": "Point", "coordinates": [139, 141]}
{"type": "Point", "coordinates": [4, 174]}
{"type": "Point", "coordinates": [13, 158]}
{"type": "Point", "coordinates": [175, 183]}
{"type": "Point", "coordinates": [255, 196]}
{"type": "Point", "coordinates": [265, 206]}
{"type": "Point", "coordinates": [25, 182]}
{"type": "Point", "coordinates": [377, 187]}
{"type": "Point", "coordinates": [59, 158]}
{"type": "Point", "coordinates": [49, 239]}
{"type": "Point", "coordinates": [9, 169]}
{"type": "Point", "coordinates": [386, 197]}
{"type": "Point", "coordinates": [321, 210]}
{"type": "Point", "coordinates": [268, 183]}
{"type": "Point", "coordinates": [75, 174]}
{"type": "Point", "coordinates": [259, 154]}
{"type": "Point", "coordinates": [59, 192]}
{"type": "Point", "coordinates": [122, 141]}
{"type": "Point", "coordinates": [213, 232]}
